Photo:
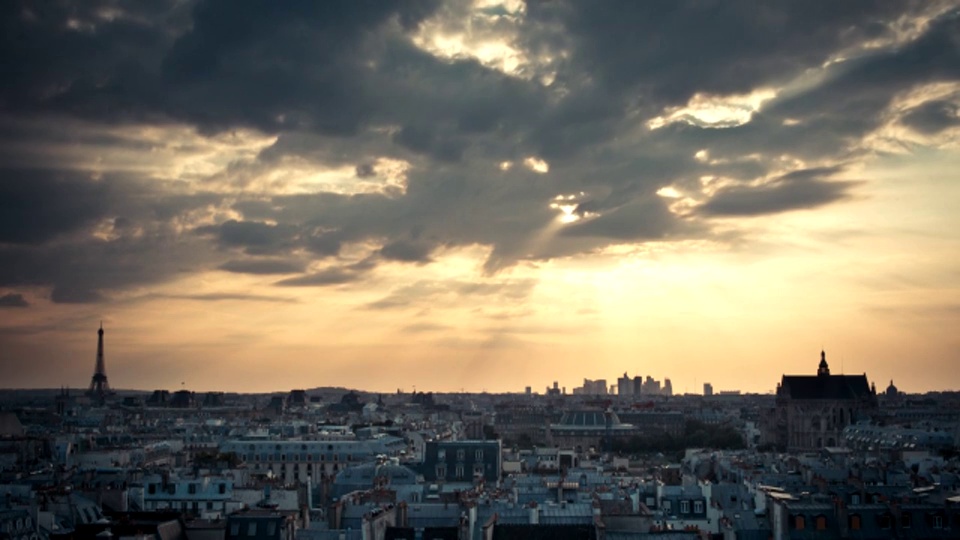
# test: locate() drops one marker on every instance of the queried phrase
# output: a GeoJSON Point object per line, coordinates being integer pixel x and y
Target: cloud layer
{"type": "Point", "coordinates": [319, 142]}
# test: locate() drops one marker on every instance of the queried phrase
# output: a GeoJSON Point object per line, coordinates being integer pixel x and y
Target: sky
{"type": "Point", "coordinates": [478, 195]}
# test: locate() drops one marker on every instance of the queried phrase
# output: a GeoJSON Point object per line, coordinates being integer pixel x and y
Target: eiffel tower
{"type": "Point", "coordinates": [99, 388]}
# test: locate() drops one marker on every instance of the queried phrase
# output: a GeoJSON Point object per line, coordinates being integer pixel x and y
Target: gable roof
{"type": "Point", "coordinates": [825, 386]}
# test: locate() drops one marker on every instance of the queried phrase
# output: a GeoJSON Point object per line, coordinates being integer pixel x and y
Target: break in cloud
{"type": "Point", "coordinates": [319, 143]}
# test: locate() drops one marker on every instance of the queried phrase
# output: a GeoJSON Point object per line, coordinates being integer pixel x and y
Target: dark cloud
{"type": "Point", "coordinates": [324, 278]}
{"type": "Point", "coordinates": [82, 237]}
{"type": "Point", "coordinates": [933, 117]}
{"type": "Point", "coordinates": [667, 52]}
{"type": "Point", "coordinates": [365, 170]}
{"type": "Point", "coordinates": [38, 205]}
{"type": "Point", "coordinates": [259, 266]}
{"type": "Point", "coordinates": [794, 191]}
{"type": "Point", "coordinates": [253, 236]}
{"type": "Point", "coordinates": [13, 300]}
{"type": "Point", "coordinates": [75, 294]}
{"type": "Point", "coordinates": [406, 252]}
{"type": "Point", "coordinates": [341, 84]}
{"type": "Point", "coordinates": [426, 140]}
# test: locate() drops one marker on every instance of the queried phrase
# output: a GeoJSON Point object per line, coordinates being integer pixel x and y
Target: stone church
{"type": "Point", "coordinates": [812, 410]}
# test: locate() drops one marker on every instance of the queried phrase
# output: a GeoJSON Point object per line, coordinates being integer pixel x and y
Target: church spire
{"type": "Point", "coordinates": [823, 369]}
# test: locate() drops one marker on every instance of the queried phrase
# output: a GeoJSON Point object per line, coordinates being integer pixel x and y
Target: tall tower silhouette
{"type": "Point", "coordinates": [98, 384]}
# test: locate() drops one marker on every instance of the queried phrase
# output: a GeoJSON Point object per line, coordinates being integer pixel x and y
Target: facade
{"type": "Point", "coordinates": [295, 461]}
{"type": "Point", "coordinates": [209, 497]}
{"type": "Point", "coordinates": [461, 461]}
{"type": "Point", "coordinates": [260, 525]}
{"type": "Point", "coordinates": [812, 411]}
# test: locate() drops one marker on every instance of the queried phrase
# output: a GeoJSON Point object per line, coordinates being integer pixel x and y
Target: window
{"type": "Point", "coordinates": [684, 507]}
{"type": "Point", "coordinates": [223, 488]}
{"type": "Point", "coordinates": [938, 522]}
{"type": "Point", "coordinates": [441, 471]}
{"type": "Point", "coordinates": [855, 522]}
{"type": "Point", "coordinates": [152, 489]}
{"type": "Point", "coordinates": [855, 498]}
{"type": "Point", "coordinates": [799, 523]}
{"type": "Point", "coordinates": [478, 468]}
{"type": "Point", "coordinates": [697, 507]}
{"type": "Point", "coordinates": [441, 454]}
{"type": "Point", "coordinates": [821, 523]}
{"type": "Point", "coordinates": [271, 528]}
{"type": "Point", "coordinates": [906, 520]}
{"type": "Point", "coordinates": [666, 506]}
{"type": "Point", "coordinates": [192, 489]}
{"type": "Point", "coordinates": [884, 521]}
{"type": "Point", "coordinates": [252, 528]}
{"type": "Point", "coordinates": [209, 505]}
{"type": "Point", "coordinates": [459, 471]}
{"type": "Point", "coordinates": [235, 529]}
{"type": "Point", "coordinates": [461, 454]}
{"type": "Point", "coordinates": [478, 455]}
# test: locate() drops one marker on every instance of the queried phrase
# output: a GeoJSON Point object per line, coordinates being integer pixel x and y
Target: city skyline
{"type": "Point", "coordinates": [479, 194]}
{"type": "Point", "coordinates": [99, 387]}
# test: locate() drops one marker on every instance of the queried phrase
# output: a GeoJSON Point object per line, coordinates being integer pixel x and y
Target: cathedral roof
{"type": "Point", "coordinates": [825, 386]}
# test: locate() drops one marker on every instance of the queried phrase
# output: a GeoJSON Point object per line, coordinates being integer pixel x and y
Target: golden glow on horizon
{"type": "Point", "coordinates": [872, 278]}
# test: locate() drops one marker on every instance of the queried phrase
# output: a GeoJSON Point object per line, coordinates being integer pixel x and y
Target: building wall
{"type": "Point", "coordinates": [294, 461]}
{"type": "Point", "coordinates": [461, 460]}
